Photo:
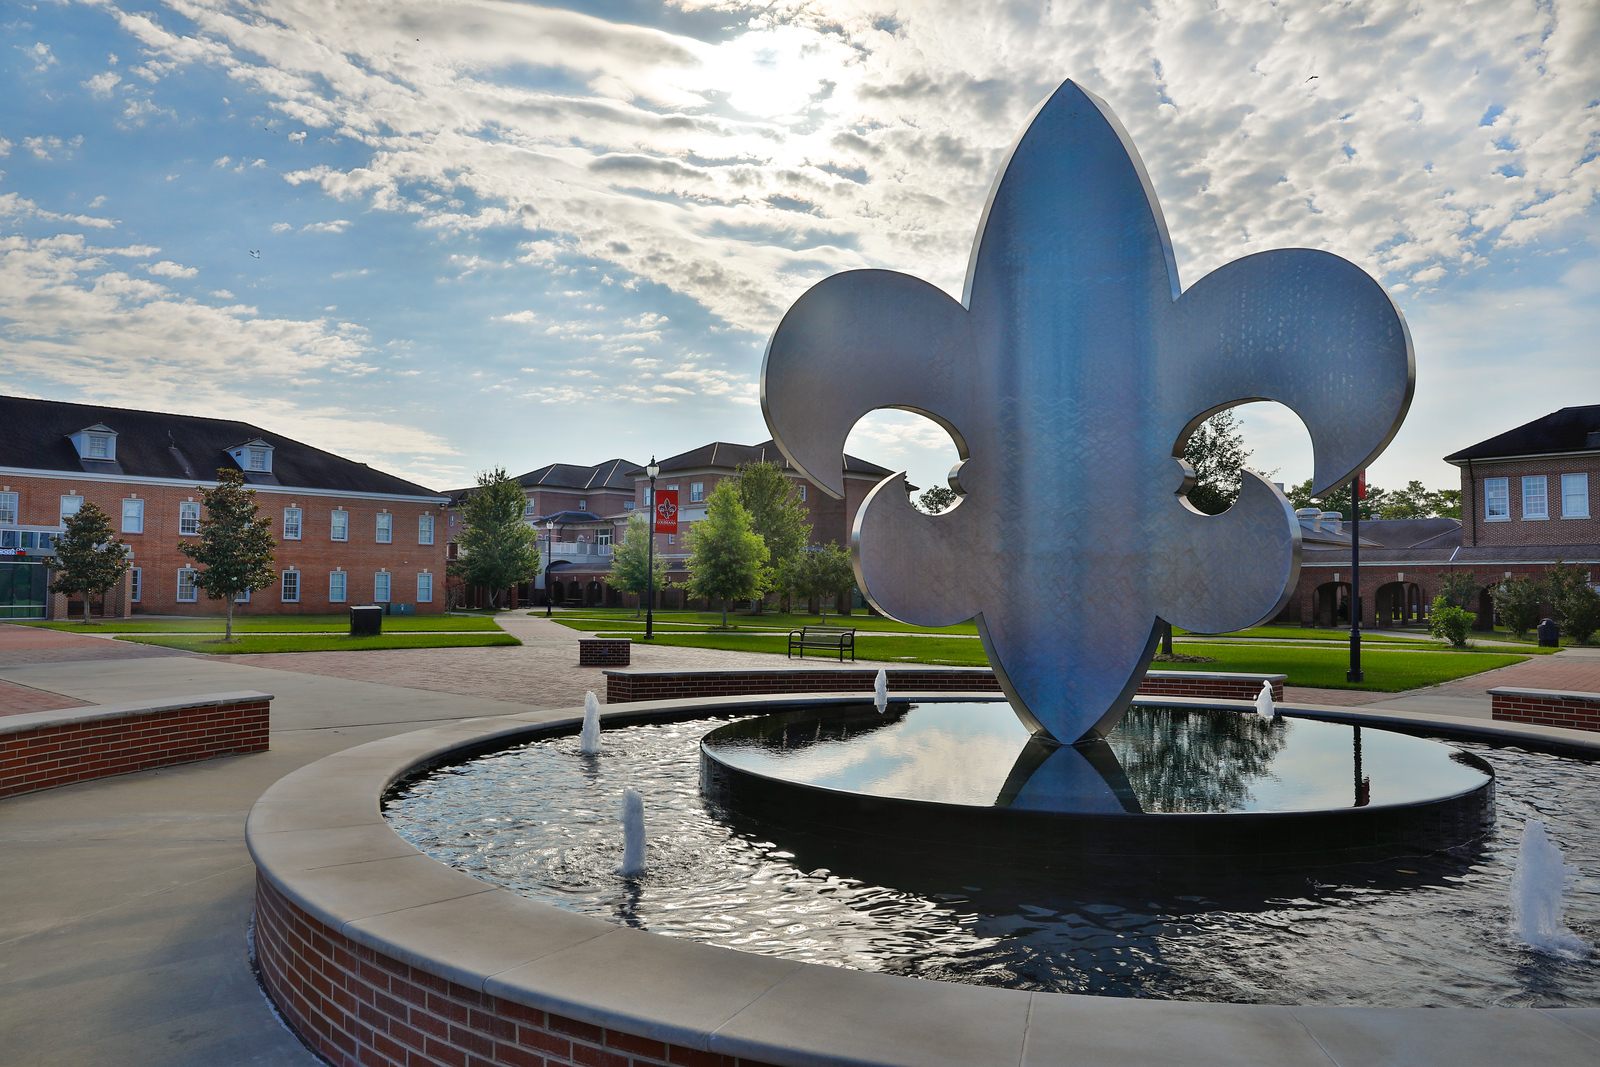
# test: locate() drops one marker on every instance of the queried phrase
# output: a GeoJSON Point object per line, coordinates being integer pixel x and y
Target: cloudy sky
{"type": "Point", "coordinates": [447, 234]}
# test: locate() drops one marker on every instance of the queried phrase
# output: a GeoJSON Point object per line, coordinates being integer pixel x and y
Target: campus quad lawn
{"type": "Point", "coordinates": [623, 619]}
{"type": "Point", "coordinates": [1387, 671]}
{"type": "Point", "coordinates": [271, 624]}
{"type": "Point", "coordinates": [252, 643]}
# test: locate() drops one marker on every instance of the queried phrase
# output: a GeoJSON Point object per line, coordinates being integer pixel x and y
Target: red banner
{"type": "Point", "coordinates": [667, 511]}
{"type": "Point", "coordinates": [1361, 486]}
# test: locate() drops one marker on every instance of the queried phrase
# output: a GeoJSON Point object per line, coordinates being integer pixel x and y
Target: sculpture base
{"type": "Point", "coordinates": [1183, 788]}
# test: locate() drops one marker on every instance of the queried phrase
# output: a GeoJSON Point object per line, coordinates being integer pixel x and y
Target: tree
{"type": "Point", "coordinates": [726, 556]}
{"type": "Point", "coordinates": [1415, 501]}
{"type": "Point", "coordinates": [1460, 588]}
{"type": "Point", "coordinates": [1216, 452]}
{"type": "Point", "coordinates": [235, 545]}
{"type": "Point", "coordinates": [497, 549]}
{"type": "Point", "coordinates": [1518, 600]}
{"type": "Point", "coordinates": [776, 517]}
{"type": "Point", "coordinates": [937, 498]}
{"type": "Point", "coordinates": [89, 556]}
{"type": "Point", "coordinates": [1575, 600]}
{"type": "Point", "coordinates": [825, 572]}
{"type": "Point", "coordinates": [630, 562]}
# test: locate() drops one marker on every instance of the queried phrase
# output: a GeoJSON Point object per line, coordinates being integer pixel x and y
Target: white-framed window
{"type": "Point", "coordinates": [135, 584]}
{"type": "Point", "coordinates": [1574, 496]}
{"type": "Point", "coordinates": [424, 588]}
{"type": "Point", "coordinates": [292, 518]}
{"type": "Point", "coordinates": [99, 446]}
{"type": "Point", "coordinates": [603, 537]}
{"type": "Point", "coordinates": [258, 459]}
{"type": "Point", "coordinates": [339, 527]}
{"type": "Point", "coordinates": [802, 494]}
{"type": "Point", "coordinates": [291, 587]}
{"type": "Point", "coordinates": [8, 509]}
{"type": "Point", "coordinates": [583, 505]}
{"type": "Point", "coordinates": [527, 510]}
{"type": "Point", "coordinates": [70, 506]}
{"type": "Point", "coordinates": [133, 515]}
{"type": "Point", "coordinates": [1535, 497]}
{"type": "Point", "coordinates": [189, 518]}
{"type": "Point", "coordinates": [672, 539]}
{"type": "Point", "coordinates": [627, 505]}
{"type": "Point", "coordinates": [697, 492]}
{"type": "Point", "coordinates": [380, 587]}
{"type": "Point", "coordinates": [424, 529]}
{"type": "Point", "coordinates": [647, 500]}
{"type": "Point", "coordinates": [1496, 500]}
{"type": "Point", "coordinates": [337, 586]}
{"type": "Point", "coordinates": [188, 592]}
{"type": "Point", "coordinates": [242, 598]}
{"type": "Point", "coordinates": [385, 528]}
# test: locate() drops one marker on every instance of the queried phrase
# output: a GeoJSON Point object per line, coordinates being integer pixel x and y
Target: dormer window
{"type": "Point", "coordinates": [97, 442]}
{"type": "Point", "coordinates": [254, 457]}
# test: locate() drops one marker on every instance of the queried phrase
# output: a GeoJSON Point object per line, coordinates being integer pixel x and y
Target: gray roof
{"type": "Point", "coordinates": [156, 444]}
{"type": "Point", "coordinates": [1574, 429]}
{"type": "Point", "coordinates": [724, 454]}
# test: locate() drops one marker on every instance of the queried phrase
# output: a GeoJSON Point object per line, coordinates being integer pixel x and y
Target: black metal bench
{"type": "Point", "coordinates": [833, 638]}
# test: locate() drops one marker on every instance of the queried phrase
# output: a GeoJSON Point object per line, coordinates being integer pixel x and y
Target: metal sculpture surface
{"type": "Point", "coordinates": [1070, 376]}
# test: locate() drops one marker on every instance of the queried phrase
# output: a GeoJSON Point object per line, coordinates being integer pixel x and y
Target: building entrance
{"type": "Point", "coordinates": [23, 590]}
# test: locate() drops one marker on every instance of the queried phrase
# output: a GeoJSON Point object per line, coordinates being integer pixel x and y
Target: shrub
{"type": "Point", "coordinates": [1450, 623]}
{"type": "Point", "coordinates": [1580, 608]}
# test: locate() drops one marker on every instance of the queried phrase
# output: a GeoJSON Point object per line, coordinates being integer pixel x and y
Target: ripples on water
{"type": "Point", "coordinates": [543, 819]}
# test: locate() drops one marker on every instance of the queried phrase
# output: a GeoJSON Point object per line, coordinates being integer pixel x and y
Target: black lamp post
{"type": "Point", "coordinates": [550, 549]}
{"type": "Point", "coordinates": [1358, 489]}
{"type": "Point", "coordinates": [652, 470]}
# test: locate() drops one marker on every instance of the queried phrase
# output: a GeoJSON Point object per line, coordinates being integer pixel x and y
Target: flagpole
{"type": "Point", "coordinates": [1358, 492]}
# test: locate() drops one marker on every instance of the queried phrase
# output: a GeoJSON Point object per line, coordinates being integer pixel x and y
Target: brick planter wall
{"type": "Point", "coordinates": [605, 651]}
{"type": "Point", "coordinates": [362, 1008]}
{"type": "Point", "coordinates": [53, 748]}
{"type": "Point", "coordinates": [1546, 707]}
{"type": "Point", "coordinates": [624, 687]}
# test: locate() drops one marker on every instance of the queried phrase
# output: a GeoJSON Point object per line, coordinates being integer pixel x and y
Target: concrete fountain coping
{"type": "Point", "coordinates": [321, 844]}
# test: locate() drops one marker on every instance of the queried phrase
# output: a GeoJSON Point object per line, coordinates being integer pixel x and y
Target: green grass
{"type": "Point", "coordinates": [1387, 671]}
{"type": "Point", "coordinates": [254, 643]}
{"type": "Point", "coordinates": [272, 624]}
{"type": "Point", "coordinates": [623, 619]}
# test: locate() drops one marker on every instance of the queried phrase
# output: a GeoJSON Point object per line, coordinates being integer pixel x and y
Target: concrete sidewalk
{"type": "Point", "coordinates": [124, 903]}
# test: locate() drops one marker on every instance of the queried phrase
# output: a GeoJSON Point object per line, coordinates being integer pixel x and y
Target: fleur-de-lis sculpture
{"type": "Point", "coordinates": [1070, 376]}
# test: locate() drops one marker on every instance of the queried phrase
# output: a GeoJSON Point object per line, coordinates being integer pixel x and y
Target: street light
{"type": "Point", "coordinates": [550, 550]}
{"type": "Point", "coordinates": [652, 469]}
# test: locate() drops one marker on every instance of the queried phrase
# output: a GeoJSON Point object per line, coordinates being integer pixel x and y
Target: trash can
{"type": "Point", "coordinates": [1549, 634]}
{"type": "Point", "coordinates": [366, 620]}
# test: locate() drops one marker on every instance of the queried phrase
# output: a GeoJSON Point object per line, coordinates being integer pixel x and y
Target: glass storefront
{"type": "Point", "coordinates": [23, 589]}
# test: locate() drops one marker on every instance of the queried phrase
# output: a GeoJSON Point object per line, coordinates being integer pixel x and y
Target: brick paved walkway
{"type": "Point", "coordinates": [1577, 669]}
{"type": "Point", "coordinates": [543, 673]}
{"type": "Point", "coordinates": [22, 645]}
{"type": "Point", "coordinates": [21, 700]}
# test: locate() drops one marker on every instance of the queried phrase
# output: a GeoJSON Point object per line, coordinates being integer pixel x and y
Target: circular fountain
{"type": "Point", "coordinates": [1170, 788]}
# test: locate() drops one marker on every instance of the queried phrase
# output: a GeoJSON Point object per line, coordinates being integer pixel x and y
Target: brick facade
{"type": "Point", "coordinates": [314, 556]}
{"type": "Point", "coordinates": [361, 1008]}
{"type": "Point", "coordinates": [1557, 528]}
{"type": "Point", "coordinates": [1546, 707]}
{"type": "Point", "coordinates": [624, 687]}
{"type": "Point", "coordinates": [48, 749]}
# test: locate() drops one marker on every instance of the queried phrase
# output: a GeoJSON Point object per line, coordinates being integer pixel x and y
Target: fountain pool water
{"type": "Point", "coordinates": [1407, 931]}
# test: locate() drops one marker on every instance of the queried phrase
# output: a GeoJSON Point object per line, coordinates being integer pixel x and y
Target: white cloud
{"type": "Point", "coordinates": [168, 269]}
{"type": "Point", "coordinates": [336, 226]}
{"type": "Point", "coordinates": [41, 56]}
{"type": "Point", "coordinates": [281, 227]}
{"type": "Point", "coordinates": [17, 206]}
{"type": "Point", "coordinates": [51, 148]}
{"type": "Point", "coordinates": [101, 84]}
{"type": "Point", "coordinates": [815, 140]}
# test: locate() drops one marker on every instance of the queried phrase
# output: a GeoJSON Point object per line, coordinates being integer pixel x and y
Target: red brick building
{"type": "Point", "coordinates": [1530, 497]}
{"type": "Point", "coordinates": [346, 534]}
